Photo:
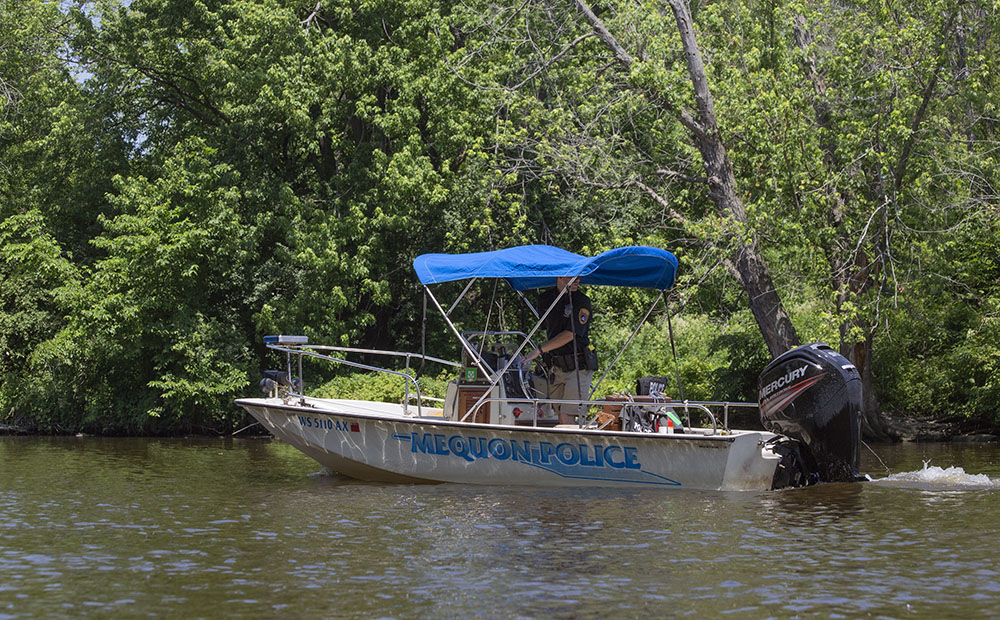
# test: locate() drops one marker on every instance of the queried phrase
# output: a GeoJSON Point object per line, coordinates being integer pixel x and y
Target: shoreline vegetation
{"type": "Point", "coordinates": [179, 178]}
{"type": "Point", "coordinates": [902, 427]}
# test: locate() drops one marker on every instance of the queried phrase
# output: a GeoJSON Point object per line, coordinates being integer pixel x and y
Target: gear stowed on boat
{"type": "Point", "coordinates": [494, 428]}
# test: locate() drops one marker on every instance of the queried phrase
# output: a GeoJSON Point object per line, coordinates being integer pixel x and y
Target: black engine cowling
{"type": "Point", "coordinates": [812, 395]}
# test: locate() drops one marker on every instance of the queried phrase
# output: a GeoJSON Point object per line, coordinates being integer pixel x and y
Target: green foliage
{"type": "Point", "coordinates": [942, 359]}
{"type": "Point", "coordinates": [34, 279]}
{"type": "Point", "coordinates": [180, 177]}
{"type": "Point", "coordinates": [282, 166]}
{"type": "Point", "coordinates": [715, 360]}
{"type": "Point", "coordinates": [159, 317]}
{"type": "Point", "coordinates": [382, 387]}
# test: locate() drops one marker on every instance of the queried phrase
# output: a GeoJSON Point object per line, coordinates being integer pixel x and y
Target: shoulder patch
{"type": "Point", "coordinates": [583, 316]}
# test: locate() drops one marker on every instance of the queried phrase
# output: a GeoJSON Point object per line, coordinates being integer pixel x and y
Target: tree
{"type": "Point", "coordinates": [893, 67]}
{"type": "Point", "coordinates": [284, 163]}
{"type": "Point", "coordinates": [54, 158]}
{"type": "Point", "coordinates": [786, 165]}
{"type": "Point", "coordinates": [34, 279]}
{"type": "Point", "coordinates": [587, 135]}
{"type": "Point", "coordinates": [181, 177]}
{"type": "Point", "coordinates": [746, 263]}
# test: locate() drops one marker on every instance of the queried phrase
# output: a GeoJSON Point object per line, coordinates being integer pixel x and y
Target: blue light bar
{"type": "Point", "coordinates": [290, 340]}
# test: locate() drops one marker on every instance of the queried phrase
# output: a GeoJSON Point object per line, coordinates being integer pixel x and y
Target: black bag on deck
{"type": "Point", "coordinates": [647, 386]}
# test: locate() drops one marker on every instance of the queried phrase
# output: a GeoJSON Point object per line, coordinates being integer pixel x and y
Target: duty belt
{"type": "Point", "coordinates": [569, 362]}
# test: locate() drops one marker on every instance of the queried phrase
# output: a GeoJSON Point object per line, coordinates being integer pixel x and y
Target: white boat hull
{"type": "Point", "coordinates": [376, 442]}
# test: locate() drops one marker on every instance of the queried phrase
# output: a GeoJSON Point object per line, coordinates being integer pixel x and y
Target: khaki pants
{"type": "Point", "coordinates": [563, 385]}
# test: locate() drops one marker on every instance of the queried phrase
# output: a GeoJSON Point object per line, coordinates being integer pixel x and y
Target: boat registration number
{"type": "Point", "coordinates": [328, 424]}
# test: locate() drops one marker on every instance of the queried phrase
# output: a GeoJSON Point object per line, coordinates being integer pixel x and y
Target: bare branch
{"type": "Point", "coordinates": [501, 28]}
{"type": "Point", "coordinates": [918, 117]}
{"type": "Point", "coordinates": [696, 67]}
{"type": "Point", "coordinates": [660, 200]}
{"type": "Point", "coordinates": [683, 177]}
{"type": "Point", "coordinates": [602, 33]}
{"type": "Point", "coordinates": [307, 22]}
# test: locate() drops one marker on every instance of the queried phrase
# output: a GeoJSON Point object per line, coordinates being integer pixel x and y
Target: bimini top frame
{"type": "Point", "coordinates": [538, 266]}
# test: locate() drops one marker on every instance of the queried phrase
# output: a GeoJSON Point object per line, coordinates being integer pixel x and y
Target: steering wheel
{"type": "Point", "coordinates": [523, 378]}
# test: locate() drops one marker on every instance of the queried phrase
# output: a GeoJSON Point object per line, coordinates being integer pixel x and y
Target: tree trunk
{"type": "Point", "coordinates": [752, 273]}
{"type": "Point", "coordinates": [873, 424]}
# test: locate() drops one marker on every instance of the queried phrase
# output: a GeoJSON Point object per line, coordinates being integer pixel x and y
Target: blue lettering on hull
{"type": "Point", "coordinates": [568, 460]}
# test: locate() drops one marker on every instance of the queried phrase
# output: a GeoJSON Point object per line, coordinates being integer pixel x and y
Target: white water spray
{"type": "Point", "coordinates": [932, 476]}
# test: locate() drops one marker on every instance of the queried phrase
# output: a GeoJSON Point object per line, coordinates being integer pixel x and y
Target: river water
{"type": "Point", "coordinates": [206, 528]}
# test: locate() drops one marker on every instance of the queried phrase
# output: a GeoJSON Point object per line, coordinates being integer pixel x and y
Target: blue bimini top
{"type": "Point", "coordinates": [537, 266]}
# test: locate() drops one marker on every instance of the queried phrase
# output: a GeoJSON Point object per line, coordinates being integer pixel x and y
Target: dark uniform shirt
{"type": "Point", "coordinates": [572, 313]}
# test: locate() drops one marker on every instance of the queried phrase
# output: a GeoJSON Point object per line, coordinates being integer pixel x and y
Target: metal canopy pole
{"type": "Point", "coordinates": [677, 368]}
{"type": "Point", "coordinates": [465, 345]}
{"type": "Point", "coordinates": [460, 297]}
{"type": "Point", "coordinates": [528, 303]}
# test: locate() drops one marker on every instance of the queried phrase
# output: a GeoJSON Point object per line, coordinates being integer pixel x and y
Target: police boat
{"type": "Point", "coordinates": [495, 427]}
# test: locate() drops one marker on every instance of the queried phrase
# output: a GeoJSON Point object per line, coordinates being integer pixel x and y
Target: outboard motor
{"type": "Point", "coordinates": [812, 395]}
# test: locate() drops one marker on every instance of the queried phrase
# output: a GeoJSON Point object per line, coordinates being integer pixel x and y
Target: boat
{"type": "Point", "coordinates": [493, 427]}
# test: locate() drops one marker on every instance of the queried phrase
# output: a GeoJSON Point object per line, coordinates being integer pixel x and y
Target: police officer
{"type": "Point", "coordinates": [567, 350]}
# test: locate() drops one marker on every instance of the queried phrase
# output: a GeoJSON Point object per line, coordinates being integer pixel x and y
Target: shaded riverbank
{"type": "Point", "coordinates": [912, 428]}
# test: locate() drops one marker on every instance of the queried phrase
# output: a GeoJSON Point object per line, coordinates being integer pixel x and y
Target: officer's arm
{"type": "Point", "coordinates": [559, 340]}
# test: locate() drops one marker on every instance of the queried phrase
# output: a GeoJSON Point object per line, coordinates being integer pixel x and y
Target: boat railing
{"type": "Point", "coordinates": [725, 405]}
{"type": "Point", "coordinates": [685, 406]}
{"type": "Point", "coordinates": [433, 399]}
{"type": "Point", "coordinates": [312, 350]}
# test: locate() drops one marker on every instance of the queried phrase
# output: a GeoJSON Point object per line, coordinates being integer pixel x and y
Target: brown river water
{"type": "Point", "coordinates": [242, 528]}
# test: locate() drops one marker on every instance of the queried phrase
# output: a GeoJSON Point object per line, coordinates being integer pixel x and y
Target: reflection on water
{"type": "Point", "coordinates": [205, 527]}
